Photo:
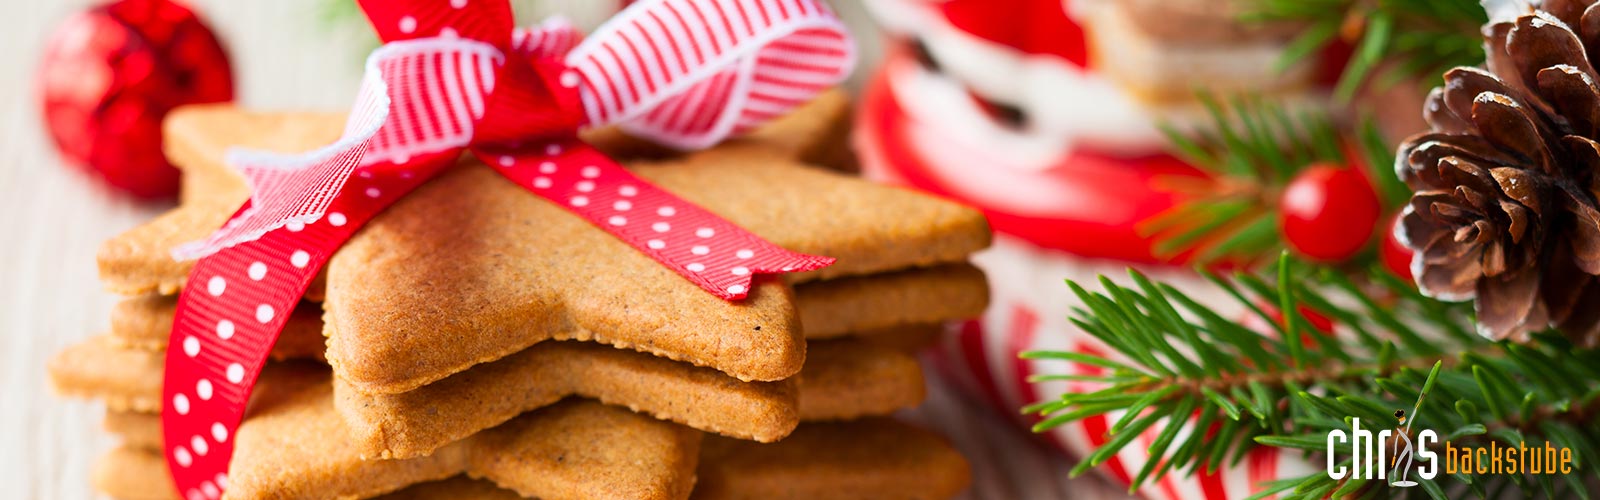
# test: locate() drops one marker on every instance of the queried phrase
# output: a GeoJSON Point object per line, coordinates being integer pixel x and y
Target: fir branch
{"type": "Point", "coordinates": [1422, 38]}
{"type": "Point", "coordinates": [1252, 148]}
{"type": "Point", "coordinates": [1178, 359]}
{"type": "Point", "coordinates": [1378, 156]}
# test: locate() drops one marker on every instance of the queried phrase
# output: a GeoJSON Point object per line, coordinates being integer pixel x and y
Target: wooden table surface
{"type": "Point", "coordinates": [53, 218]}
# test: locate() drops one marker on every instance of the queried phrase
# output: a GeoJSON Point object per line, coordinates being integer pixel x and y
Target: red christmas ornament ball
{"type": "Point", "coordinates": [1395, 255]}
{"type": "Point", "coordinates": [1327, 213]}
{"type": "Point", "coordinates": [1316, 323]}
{"type": "Point", "coordinates": [110, 74]}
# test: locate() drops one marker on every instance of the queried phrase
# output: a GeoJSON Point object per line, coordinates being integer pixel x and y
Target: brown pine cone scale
{"type": "Point", "coordinates": [1504, 211]}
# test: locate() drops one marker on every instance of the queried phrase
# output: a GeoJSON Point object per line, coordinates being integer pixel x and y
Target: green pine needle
{"type": "Point", "coordinates": [1176, 359]}
{"type": "Point", "coordinates": [1256, 148]}
{"type": "Point", "coordinates": [1409, 38]}
{"type": "Point", "coordinates": [1252, 149]}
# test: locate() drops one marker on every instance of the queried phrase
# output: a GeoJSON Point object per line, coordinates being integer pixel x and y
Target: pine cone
{"type": "Point", "coordinates": [1504, 209]}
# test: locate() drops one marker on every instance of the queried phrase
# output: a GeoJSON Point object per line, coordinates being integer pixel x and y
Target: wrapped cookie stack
{"type": "Point", "coordinates": [1162, 52]}
{"type": "Point", "coordinates": [526, 368]}
{"type": "Point", "coordinates": [459, 298]}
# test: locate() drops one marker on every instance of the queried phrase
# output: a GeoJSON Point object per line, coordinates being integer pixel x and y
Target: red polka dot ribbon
{"type": "Point", "coordinates": [453, 76]}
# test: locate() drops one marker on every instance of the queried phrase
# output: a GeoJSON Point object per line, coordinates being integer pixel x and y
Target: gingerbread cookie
{"type": "Point", "coordinates": [910, 339]}
{"type": "Point", "coordinates": [842, 379]}
{"type": "Point", "coordinates": [139, 261]}
{"type": "Point", "coordinates": [866, 459]}
{"type": "Point", "coordinates": [875, 458]}
{"type": "Point", "coordinates": [1204, 22]}
{"type": "Point", "coordinates": [835, 382]}
{"type": "Point", "coordinates": [127, 379]}
{"type": "Point", "coordinates": [418, 422]}
{"type": "Point", "coordinates": [293, 444]}
{"type": "Point", "coordinates": [136, 429]}
{"type": "Point", "coordinates": [455, 488]}
{"type": "Point", "coordinates": [839, 307]}
{"type": "Point", "coordinates": [561, 277]}
{"type": "Point", "coordinates": [145, 322]}
{"type": "Point", "coordinates": [516, 295]}
{"type": "Point", "coordinates": [1164, 60]}
{"type": "Point", "coordinates": [847, 378]}
{"type": "Point", "coordinates": [131, 472]}
{"type": "Point", "coordinates": [829, 308]}
{"type": "Point", "coordinates": [189, 139]}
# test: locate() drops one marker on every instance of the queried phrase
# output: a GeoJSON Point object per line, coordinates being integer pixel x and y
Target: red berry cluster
{"type": "Point", "coordinates": [1328, 212]}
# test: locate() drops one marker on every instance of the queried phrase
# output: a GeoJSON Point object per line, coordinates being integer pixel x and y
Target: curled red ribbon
{"type": "Point", "coordinates": [455, 75]}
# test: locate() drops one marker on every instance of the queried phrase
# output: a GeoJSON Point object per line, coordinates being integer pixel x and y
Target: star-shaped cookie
{"type": "Point", "coordinates": [471, 268]}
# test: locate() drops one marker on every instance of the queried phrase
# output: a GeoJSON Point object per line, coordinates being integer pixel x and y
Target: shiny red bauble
{"type": "Point", "coordinates": [1395, 255]}
{"type": "Point", "coordinates": [1327, 213]}
{"type": "Point", "coordinates": [110, 74]}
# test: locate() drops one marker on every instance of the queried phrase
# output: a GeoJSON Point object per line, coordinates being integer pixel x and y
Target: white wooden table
{"type": "Point", "coordinates": [53, 218]}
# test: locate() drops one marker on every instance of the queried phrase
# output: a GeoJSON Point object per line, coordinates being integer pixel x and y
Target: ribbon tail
{"type": "Point", "coordinates": [252, 273]}
{"type": "Point", "coordinates": [236, 302]}
{"type": "Point", "coordinates": [231, 311]}
{"type": "Point", "coordinates": [710, 251]}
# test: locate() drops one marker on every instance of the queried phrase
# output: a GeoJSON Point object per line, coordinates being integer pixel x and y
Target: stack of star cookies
{"type": "Point", "coordinates": [1162, 51]}
{"type": "Point", "coordinates": [477, 341]}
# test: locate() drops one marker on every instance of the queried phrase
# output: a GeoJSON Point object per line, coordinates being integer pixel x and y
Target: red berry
{"type": "Point", "coordinates": [1315, 325]}
{"type": "Point", "coordinates": [1327, 213]}
{"type": "Point", "coordinates": [1332, 61]}
{"type": "Point", "coordinates": [1315, 322]}
{"type": "Point", "coordinates": [1396, 256]}
{"type": "Point", "coordinates": [110, 74]}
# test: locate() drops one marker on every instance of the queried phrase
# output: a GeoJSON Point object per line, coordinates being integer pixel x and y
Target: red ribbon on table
{"type": "Point", "coordinates": [455, 75]}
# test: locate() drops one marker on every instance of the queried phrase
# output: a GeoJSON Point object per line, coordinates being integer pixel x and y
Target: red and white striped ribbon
{"type": "Point", "coordinates": [685, 73]}
{"type": "Point", "coordinates": [750, 61]}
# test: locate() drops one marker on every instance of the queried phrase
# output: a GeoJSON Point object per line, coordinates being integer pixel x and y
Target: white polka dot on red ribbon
{"type": "Point", "coordinates": [225, 326]}
{"type": "Point", "coordinates": [709, 250]}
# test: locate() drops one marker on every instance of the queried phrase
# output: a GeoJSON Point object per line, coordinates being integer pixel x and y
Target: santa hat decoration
{"type": "Point", "coordinates": [1029, 27]}
{"type": "Point", "coordinates": [1034, 27]}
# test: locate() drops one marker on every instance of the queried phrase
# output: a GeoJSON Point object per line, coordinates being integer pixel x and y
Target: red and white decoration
{"type": "Point", "coordinates": [1068, 160]}
{"type": "Point", "coordinates": [1028, 312]}
{"type": "Point", "coordinates": [1003, 109]}
{"type": "Point", "coordinates": [455, 76]}
{"type": "Point", "coordinates": [109, 75]}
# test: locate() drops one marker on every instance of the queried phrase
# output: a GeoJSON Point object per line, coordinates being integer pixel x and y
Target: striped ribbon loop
{"type": "Point", "coordinates": [688, 73]}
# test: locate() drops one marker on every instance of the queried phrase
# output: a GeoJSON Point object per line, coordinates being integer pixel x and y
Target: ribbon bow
{"type": "Point", "coordinates": [455, 75]}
